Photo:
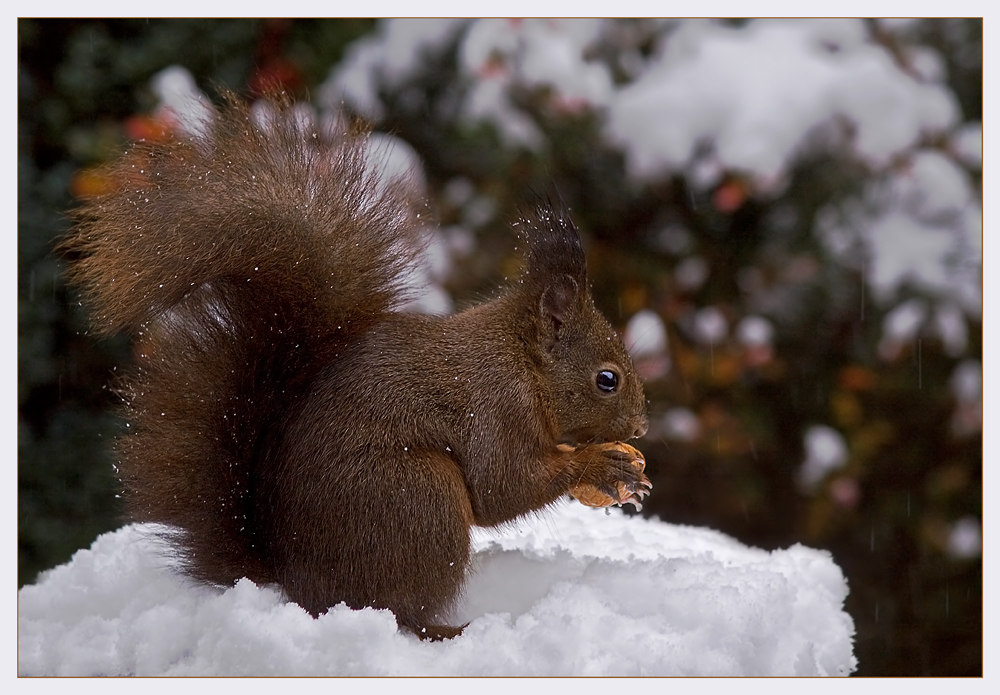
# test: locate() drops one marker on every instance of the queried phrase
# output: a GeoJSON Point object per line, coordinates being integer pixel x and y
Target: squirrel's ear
{"type": "Point", "coordinates": [556, 303]}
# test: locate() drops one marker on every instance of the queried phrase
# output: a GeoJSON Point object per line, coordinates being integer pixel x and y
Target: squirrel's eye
{"type": "Point", "coordinates": [607, 381]}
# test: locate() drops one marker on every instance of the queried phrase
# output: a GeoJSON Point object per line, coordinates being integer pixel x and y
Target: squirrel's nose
{"type": "Point", "coordinates": [641, 427]}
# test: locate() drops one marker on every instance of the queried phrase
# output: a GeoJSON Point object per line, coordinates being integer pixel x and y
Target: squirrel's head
{"type": "Point", "coordinates": [594, 390]}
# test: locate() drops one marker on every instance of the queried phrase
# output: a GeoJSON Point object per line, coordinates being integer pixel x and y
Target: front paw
{"type": "Point", "coordinates": [614, 476]}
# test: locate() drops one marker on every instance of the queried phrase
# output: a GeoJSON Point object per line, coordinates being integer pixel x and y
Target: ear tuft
{"type": "Point", "coordinates": [553, 244]}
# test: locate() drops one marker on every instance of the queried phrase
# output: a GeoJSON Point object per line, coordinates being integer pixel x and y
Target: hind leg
{"type": "Point", "coordinates": [427, 557]}
{"type": "Point", "coordinates": [402, 546]}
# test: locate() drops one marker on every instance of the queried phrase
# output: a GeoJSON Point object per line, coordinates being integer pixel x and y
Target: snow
{"type": "Point", "coordinates": [646, 339]}
{"type": "Point", "coordinates": [949, 322]}
{"type": "Point", "coordinates": [966, 385]}
{"type": "Point", "coordinates": [691, 273]}
{"type": "Point", "coordinates": [646, 335]}
{"type": "Point", "coordinates": [181, 101]}
{"type": "Point", "coordinates": [503, 53]}
{"type": "Point", "coordinates": [826, 451]}
{"type": "Point", "coordinates": [572, 591]}
{"type": "Point", "coordinates": [967, 381]}
{"type": "Point", "coordinates": [540, 52]}
{"type": "Point", "coordinates": [906, 249]}
{"type": "Point", "coordinates": [711, 99]}
{"type": "Point", "coordinates": [757, 92]}
{"type": "Point", "coordinates": [967, 143]}
{"type": "Point", "coordinates": [934, 187]}
{"type": "Point", "coordinates": [710, 325]}
{"type": "Point", "coordinates": [902, 323]}
{"type": "Point", "coordinates": [395, 159]}
{"type": "Point", "coordinates": [755, 331]}
{"type": "Point", "coordinates": [392, 52]}
{"type": "Point", "coordinates": [680, 424]}
{"type": "Point", "coordinates": [965, 539]}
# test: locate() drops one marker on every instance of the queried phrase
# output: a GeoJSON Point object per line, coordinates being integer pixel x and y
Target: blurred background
{"type": "Point", "coordinates": [783, 217]}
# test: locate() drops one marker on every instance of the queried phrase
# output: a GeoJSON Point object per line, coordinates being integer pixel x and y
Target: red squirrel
{"type": "Point", "coordinates": [287, 421]}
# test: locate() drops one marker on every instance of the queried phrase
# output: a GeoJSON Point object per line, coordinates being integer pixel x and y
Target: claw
{"type": "Point", "coordinates": [631, 486]}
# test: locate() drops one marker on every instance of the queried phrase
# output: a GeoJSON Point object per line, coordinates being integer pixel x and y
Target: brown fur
{"type": "Point", "coordinates": [287, 420]}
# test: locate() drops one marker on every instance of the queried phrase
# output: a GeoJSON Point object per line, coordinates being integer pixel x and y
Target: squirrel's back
{"type": "Point", "coordinates": [240, 261]}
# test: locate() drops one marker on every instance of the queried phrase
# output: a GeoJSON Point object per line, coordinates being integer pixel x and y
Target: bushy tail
{"type": "Point", "coordinates": [265, 199]}
{"type": "Point", "coordinates": [239, 261]}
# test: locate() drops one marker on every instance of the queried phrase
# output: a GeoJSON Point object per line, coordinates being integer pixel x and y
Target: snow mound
{"type": "Point", "coordinates": [570, 592]}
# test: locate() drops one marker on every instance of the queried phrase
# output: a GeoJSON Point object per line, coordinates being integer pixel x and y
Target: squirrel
{"type": "Point", "coordinates": [286, 421]}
